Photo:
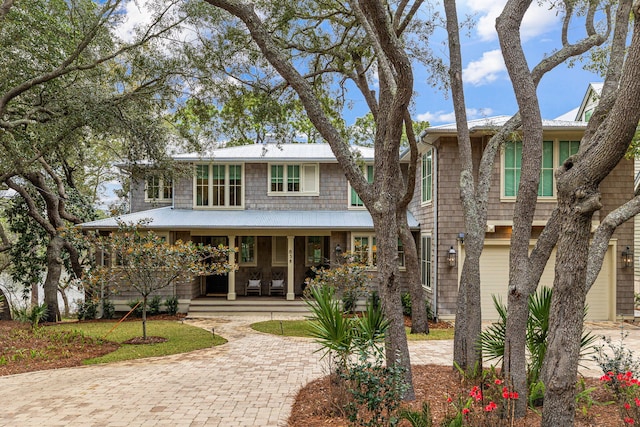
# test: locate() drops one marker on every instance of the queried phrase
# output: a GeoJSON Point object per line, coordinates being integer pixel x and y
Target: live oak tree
{"type": "Point", "coordinates": [315, 48]}
{"type": "Point", "coordinates": [144, 262]}
{"type": "Point", "coordinates": [72, 91]}
{"type": "Point", "coordinates": [578, 196]}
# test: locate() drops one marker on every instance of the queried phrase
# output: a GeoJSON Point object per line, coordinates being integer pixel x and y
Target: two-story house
{"type": "Point", "coordinates": [439, 212]}
{"type": "Point", "coordinates": [289, 207]}
{"type": "Point", "coordinates": [285, 208]}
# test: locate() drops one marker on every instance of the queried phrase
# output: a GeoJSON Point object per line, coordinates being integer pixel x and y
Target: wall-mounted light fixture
{"type": "Point", "coordinates": [460, 238]}
{"type": "Point", "coordinates": [452, 257]}
{"type": "Point", "coordinates": [338, 251]}
{"type": "Point", "coordinates": [627, 258]}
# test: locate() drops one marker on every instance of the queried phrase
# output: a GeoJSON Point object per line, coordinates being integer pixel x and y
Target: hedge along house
{"type": "Point", "coordinates": [439, 210]}
{"type": "Point", "coordinates": [285, 208]}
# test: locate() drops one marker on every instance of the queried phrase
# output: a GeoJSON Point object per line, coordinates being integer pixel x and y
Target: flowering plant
{"type": "Point", "coordinates": [488, 404]}
{"type": "Point", "coordinates": [626, 388]}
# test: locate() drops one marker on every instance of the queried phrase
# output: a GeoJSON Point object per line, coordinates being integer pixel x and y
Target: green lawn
{"type": "Point", "coordinates": [300, 328]}
{"type": "Point", "coordinates": [180, 338]}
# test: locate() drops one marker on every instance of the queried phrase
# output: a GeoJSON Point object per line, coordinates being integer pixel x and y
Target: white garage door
{"type": "Point", "coordinates": [494, 275]}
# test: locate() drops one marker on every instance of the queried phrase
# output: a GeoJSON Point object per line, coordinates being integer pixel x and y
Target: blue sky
{"type": "Point", "coordinates": [488, 90]}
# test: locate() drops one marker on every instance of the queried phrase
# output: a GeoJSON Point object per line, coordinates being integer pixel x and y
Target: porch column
{"type": "Point", "coordinates": [231, 295]}
{"type": "Point", "coordinates": [291, 295]}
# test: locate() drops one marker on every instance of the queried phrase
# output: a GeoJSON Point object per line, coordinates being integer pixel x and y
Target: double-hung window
{"type": "Point", "coordinates": [426, 180]}
{"type": "Point", "coordinates": [354, 199]}
{"type": "Point", "coordinates": [365, 249]}
{"type": "Point", "coordinates": [158, 187]}
{"type": "Point", "coordinates": [218, 185]}
{"type": "Point", "coordinates": [426, 250]}
{"type": "Point", "coordinates": [554, 153]}
{"type": "Point", "coordinates": [294, 179]}
{"type": "Point", "coordinates": [248, 250]}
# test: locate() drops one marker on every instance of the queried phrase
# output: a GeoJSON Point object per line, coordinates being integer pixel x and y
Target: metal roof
{"type": "Point", "coordinates": [496, 122]}
{"type": "Point", "coordinates": [169, 218]}
{"type": "Point", "coordinates": [274, 152]}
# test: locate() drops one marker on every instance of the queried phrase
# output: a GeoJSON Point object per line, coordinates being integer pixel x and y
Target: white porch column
{"type": "Point", "coordinates": [291, 295]}
{"type": "Point", "coordinates": [231, 295]}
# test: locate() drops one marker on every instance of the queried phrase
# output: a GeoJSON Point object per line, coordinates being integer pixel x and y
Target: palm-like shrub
{"type": "Point", "coordinates": [492, 339]}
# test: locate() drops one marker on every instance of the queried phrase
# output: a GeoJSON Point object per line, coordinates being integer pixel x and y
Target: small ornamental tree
{"type": "Point", "coordinates": [145, 262]}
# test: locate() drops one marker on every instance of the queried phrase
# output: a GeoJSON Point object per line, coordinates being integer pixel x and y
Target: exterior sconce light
{"type": "Point", "coordinates": [460, 238]}
{"type": "Point", "coordinates": [338, 251]}
{"type": "Point", "coordinates": [452, 257]}
{"type": "Point", "coordinates": [627, 258]}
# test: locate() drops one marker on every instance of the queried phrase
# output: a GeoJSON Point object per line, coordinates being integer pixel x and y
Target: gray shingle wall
{"type": "Point", "coordinates": [137, 201]}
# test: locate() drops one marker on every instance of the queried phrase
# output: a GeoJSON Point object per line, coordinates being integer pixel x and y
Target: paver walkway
{"type": "Point", "coordinates": [250, 381]}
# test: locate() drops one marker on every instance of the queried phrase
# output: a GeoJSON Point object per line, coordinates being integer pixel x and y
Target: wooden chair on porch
{"type": "Point", "coordinates": [254, 283]}
{"type": "Point", "coordinates": [277, 285]}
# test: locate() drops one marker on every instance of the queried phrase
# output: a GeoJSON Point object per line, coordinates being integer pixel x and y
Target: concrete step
{"type": "Point", "coordinates": [206, 307]}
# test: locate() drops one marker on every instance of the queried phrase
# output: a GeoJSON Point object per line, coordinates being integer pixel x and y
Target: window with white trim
{"type": "Point", "coordinates": [218, 185]}
{"type": "Point", "coordinates": [554, 153]}
{"type": "Point", "coordinates": [293, 179]}
{"type": "Point", "coordinates": [426, 250]}
{"type": "Point", "coordinates": [427, 176]}
{"type": "Point", "coordinates": [365, 249]}
{"type": "Point", "coordinates": [158, 187]}
{"type": "Point", "coordinates": [314, 250]}
{"type": "Point", "coordinates": [248, 250]}
{"type": "Point", "coordinates": [354, 200]}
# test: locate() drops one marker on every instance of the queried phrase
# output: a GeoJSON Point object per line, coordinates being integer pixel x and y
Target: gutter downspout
{"type": "Point", "coordinates": [435, 229]}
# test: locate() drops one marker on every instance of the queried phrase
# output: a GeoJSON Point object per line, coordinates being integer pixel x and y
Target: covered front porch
{"type": "Point", "coordinates": [267, 263]}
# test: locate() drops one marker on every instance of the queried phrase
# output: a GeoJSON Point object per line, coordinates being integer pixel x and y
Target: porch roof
{"type": "Point", "coordinates": [168, 218]}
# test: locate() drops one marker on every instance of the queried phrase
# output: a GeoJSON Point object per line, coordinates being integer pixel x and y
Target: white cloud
{"type": "Point", "coordinates": [485, 70]}
{"type": "Point", "coordinates": [539, 19]}
{"type": "Point", "coordinates": [450, 117]}
{"type": "Point", "coordinates": [136, 16]}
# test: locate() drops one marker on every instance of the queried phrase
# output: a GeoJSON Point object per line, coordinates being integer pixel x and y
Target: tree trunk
{"type": "Point", "coordinates": [419, 321]}
{"type": "Point", "coordinates": [54, 271]}
{"type": "Point", "coordinates": [144, 317]}
{"type": "Point", "coordinates": [65, 300]}
{"type": "Point", "coordinates": [515, 358]}
{"type": "Point", "coordinates": [466, 352]}
{"type": "Point", "coordinates": [565, 324]}
{"type": "Point", "coordinates": [396, 346]}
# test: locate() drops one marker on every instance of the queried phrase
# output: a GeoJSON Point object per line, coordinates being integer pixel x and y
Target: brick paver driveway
{"type": "Point", "coordinates": [250, 381]}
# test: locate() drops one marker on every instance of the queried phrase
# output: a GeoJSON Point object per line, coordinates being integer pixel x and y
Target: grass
{"type": "Point", "coordinates": [287, 328]}
{"type": "Point", "coordinates": [180, 338]}
{"type": "Point", "coordinates": [300, 328]}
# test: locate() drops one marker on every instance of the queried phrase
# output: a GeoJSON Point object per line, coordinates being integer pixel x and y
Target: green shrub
{"type": "Point", "coordinates": [406, 305]}
{"type": "Point", "coordinates": [108, 309]}
{"type": "Point", "coordinates": [154, 305]}
{"type": "Point", "coordinates": [138, 310]}
{"type": "Point", "coordinates": [171, 305]}
{"type": "Point", "coordinates": [87, 310]}
{"type": "Point", "coordinates": [32, 315]}
{"type": "Point", "coordinates": [349, 300]}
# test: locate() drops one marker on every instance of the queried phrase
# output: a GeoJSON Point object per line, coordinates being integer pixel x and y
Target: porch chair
{"type": "Point", "coordinates": [254, 283]}
{"type": "Point", "coordinates": [277, 283]}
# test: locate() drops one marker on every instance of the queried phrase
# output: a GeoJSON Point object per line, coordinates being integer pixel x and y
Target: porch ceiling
{"type": "Point", "coordinates": [168, 218]}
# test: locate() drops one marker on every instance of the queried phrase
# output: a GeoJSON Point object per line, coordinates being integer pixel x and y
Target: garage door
{"type": "Point", "coordinates": [494, 275]}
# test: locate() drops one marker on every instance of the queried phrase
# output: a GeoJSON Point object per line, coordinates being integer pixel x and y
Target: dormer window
{"type": "Point", "coordinates": [158, 188]}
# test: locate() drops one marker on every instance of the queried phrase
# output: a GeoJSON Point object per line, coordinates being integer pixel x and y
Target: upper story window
{"type": "Point", "coordinates": [426, 180]}
{"type": "Point", "coordinates": [294, 179]}
{"type": "Point", "coordinates": [218, 185]}
{"type": "Point", "coordinates": [554, 153]}
{"type": "Point", "coordinates": [354, 200]}
{"type": "Point", "coordinates": [158, 187]}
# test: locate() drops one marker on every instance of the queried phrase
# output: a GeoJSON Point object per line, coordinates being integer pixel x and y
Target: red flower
{"type": "Point", "coordinates": [498, 381]}
{"type": "Point", "coordinates": [514, 395]}
{"type": "Point", "coordinates": [490, 407]}
{"type": "Point", "coordinates": [465, 411]}
{"type": "Point", "coordinates": [637, 401]}
{"type": "Point", "coordinates": [605, 378]}
{"type": "Point", "coordinates": [449, 399]}
{"type": "Point", "coordinates": [627, 406]}
{"type": "Point", "coordinates": [629, 420]}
